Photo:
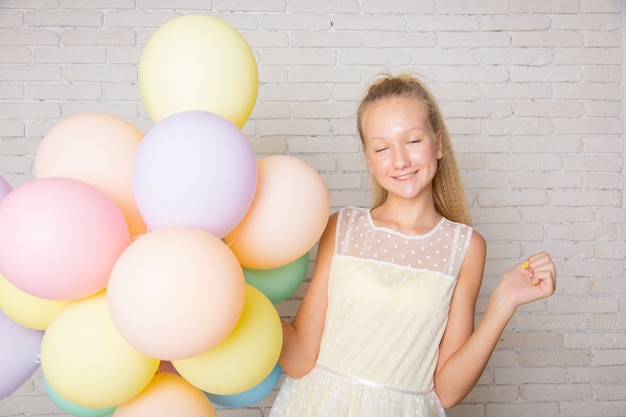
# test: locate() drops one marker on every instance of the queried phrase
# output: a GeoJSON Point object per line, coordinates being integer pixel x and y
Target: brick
{"type": "Point", "coordinates": [398, 6]}
{"type": "Point", "coordinates": [441, 23]}
{"type": "Point", "coordinates": [517, 56]}
{"type": "Point", "coordinates": [323, 6]}
{"type": "Point", "coordinates": [548, 392]}
{"type": "Point", "coordinates": [15, 55]}
{"type": "Point", "coordinates": [250, 6]}
{"type": "Point", "coordinates": [526, 375]}
{"type": "Point", "coordinates": [546, 39]}
{"type": "Point", "coordinates": [295, 22]}
{"type": "Point", "coordinates": [373, 39]}
{"type": "Point", "coordinates": [11, 19]}
{"type": "Point", "coordinates": [301, 56]}
{"type": "Point", "coordinates": [21, 37]}
{"type": "Point", "coordinates": [515, 22]}
{"type": "Point", "coordinates": [587, 21]}
{"type": "Point", "coordinates": [391, 23]}
{"type": "Point", "coordinates": [478, 7]}
{"type": "Point", "coordinates": [69, 55]}
{"type": "Point", "coordinates": [564, 358]}
{"type": "Point", "coordinates": [50, 18]}
{"type": "Point", "coordinates": [326, 39]}
{"type": "Point", "coordinates": [543, 6]}
{"type": "Point", "coordinates": [97, 37]}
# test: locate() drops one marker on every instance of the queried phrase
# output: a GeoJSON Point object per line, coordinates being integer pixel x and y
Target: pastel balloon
{"type": "Point", "coordinates": [176, 292]}
{"type": "Point", "coordinates": [19, 354]}
{"type": "Point", "coordinates": [280, 283]}
{"type": "Point", "coordinates": [167, 395]}
{"type": "Point", "coordinates": [59, 238]}
{"type": "Point", "coordinates": [25, 309]}
{"type": "Point", "coordinates": [5, 187]}
{"type": "Point", "coordinates": [252, 396]}
{"type": "Point", "coordinates": [288, 214]}
{"type": "Point", "coordinates": [74, 409]}
{"type": "Point", "coordinates": [87, 362]}
{"type": "Point", "coordinates": [198, 62]}
{"type": "Point", "coordinates": [194, 169]}
{"type": "Point", "coordinates": [96, 148]}
{"type": "Point", "coordinates": [246, 357]}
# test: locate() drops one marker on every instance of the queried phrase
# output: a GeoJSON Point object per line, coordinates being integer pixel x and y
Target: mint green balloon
{"type": "Point", "coordinates": [75, 409]}
{"type": "Point", "coordinates": [280, 283]}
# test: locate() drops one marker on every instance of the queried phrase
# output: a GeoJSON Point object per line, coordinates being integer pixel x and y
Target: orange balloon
{"type": "Point", "coordinates": [98, 149]}
{"type": "Point", "coordinates": [167, 395]}
{"type": "Point", "coordinates": [287, 216]}
{"type": "Point", "coordinates": [176, 292]}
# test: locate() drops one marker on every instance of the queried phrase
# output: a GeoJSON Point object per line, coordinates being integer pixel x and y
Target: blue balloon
{"type": "Point", "coordinates": [251, 396]}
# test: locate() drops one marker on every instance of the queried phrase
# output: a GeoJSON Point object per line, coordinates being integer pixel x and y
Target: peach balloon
{"type": "Point", "coordinates": [176, 292]}
{"type": "Point", "coordinates": [87, 362]}
{"type": "Point", "coordinates": [96, 148]}
{"type": "Point", "coordinates": [25, 309]}
{"type": "Point", "coordinates": [246, 357]}
{"type": "Point", "coordinates": [287, 216]}
{"type": "Point", "coordinates": [167, 395]}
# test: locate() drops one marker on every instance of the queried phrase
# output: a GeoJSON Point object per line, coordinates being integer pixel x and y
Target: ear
{"type": "Point", "coordinates": [439, 145]}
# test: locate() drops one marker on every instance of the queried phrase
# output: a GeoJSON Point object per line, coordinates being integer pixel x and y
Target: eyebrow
{"type": "Point", "coordinates": [404, 132]}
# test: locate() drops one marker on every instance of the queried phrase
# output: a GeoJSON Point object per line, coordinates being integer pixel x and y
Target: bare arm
{"type": "Point", "coordinates": [464, 352]}
{"type": "Point", "coordinates": [302, 337]}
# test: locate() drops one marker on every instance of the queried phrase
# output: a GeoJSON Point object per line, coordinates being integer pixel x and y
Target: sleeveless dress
{"type": "Point", "coordinates": [388, 301]}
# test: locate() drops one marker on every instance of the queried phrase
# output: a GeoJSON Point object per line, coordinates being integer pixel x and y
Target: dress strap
{"type": "Point", "coordinates": [369, 383]}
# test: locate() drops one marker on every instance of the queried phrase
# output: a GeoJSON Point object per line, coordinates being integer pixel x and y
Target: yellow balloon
{"type": "Point", "coordinates": [87, 362]}
{"type": "Point", "coordinates": [167, 395]}
{"type": "Point", "coordinates": [246, 357]}
{"type": "Point", "coordinates": [198, 62]}
{"type": "Point", "coordinates": [25, 309]}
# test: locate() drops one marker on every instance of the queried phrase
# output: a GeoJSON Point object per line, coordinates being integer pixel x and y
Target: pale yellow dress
{"type": "Point", "coordinates": [388, 301]}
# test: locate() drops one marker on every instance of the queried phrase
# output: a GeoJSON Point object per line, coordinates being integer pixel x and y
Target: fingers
{"type": "Point", "coordinates": [542, 270]}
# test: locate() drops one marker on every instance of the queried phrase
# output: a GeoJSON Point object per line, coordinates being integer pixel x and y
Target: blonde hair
{"type": "Point", "coordinates": [448, 191]}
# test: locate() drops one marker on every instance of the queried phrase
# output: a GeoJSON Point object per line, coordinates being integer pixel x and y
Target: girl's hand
{"type": "Point", "coordinates": [530, 281]}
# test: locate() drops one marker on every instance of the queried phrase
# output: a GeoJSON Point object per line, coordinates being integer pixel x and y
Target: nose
{"type": "Point", "coordinates": [401, 158]}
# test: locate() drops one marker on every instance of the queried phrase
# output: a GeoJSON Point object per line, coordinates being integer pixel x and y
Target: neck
{"type": "Point", "coordinates": [407, 216]}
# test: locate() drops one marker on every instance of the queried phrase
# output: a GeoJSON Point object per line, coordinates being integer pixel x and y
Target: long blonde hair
{"type": "Point", "coordinates": [448, 191]}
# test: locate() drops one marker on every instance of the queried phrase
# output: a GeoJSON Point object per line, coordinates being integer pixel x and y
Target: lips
{"type": "Point", "coordinates": [405, 176]}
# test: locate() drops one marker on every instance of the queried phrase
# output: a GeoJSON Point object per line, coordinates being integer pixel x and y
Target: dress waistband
{"type": "Point", "coordinates": [369, 383]}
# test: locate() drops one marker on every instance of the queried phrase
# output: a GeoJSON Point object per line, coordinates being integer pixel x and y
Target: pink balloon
{"type": "Point", "coordinates": [194, 169]}
{"type": "Point", "coordinates": [5, 188]}
{"type": "Point", "coordinates": [19, 354]}
{"type": "Point", "coordinates": [59, 238]}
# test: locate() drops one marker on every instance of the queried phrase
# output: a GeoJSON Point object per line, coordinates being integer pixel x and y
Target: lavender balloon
{"type": "Point", "coordinates": [19, 354]}
{"type": "Point", "coordinates": [194, 169]}
{"type": "Point", "coordinates": [5, 188]}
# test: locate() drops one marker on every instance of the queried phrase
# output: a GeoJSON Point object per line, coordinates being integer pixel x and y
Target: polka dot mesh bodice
{"type": "Point", "coordinates": [388, 301]}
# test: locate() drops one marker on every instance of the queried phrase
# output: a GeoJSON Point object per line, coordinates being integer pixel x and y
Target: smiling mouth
{"type": "Point", "coordinates": [405, 176]}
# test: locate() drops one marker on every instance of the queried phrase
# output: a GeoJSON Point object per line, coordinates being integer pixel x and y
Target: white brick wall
{"type": "Point", "coordinates": [533, 94]}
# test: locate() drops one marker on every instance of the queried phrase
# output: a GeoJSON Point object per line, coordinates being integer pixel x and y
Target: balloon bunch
{"type": "Point", "coordinates": [144, 269]}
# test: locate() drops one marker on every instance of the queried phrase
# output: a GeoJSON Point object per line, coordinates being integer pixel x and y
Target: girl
{"type": "Point", "coordinates": [386, 327]}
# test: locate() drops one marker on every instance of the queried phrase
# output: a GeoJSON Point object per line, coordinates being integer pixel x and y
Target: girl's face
{"type": "Point", "coordinates": [400, 147]}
